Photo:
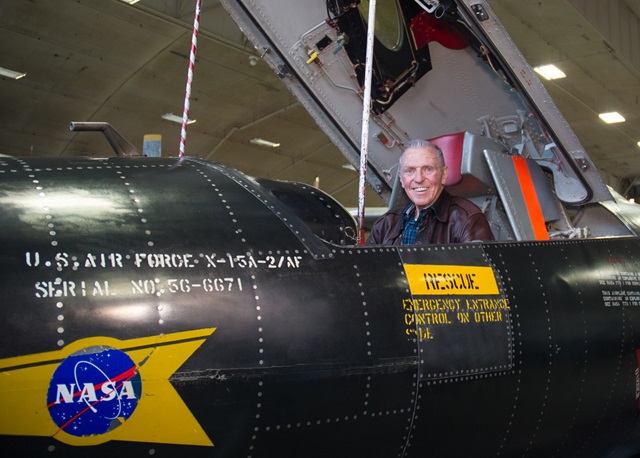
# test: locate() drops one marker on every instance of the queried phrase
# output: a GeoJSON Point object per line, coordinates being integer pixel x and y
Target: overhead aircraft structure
{"type": "Point", "coordinates": [178, 307]}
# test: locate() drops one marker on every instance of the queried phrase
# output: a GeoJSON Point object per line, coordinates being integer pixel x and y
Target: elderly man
{"type": "Point", "coordinates": [433, 216]}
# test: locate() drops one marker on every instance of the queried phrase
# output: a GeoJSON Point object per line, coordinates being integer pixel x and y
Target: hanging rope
{"type": "Point", "coordinates": [192, 60]}
{"type": "Point", "coordinates": [366, 110]}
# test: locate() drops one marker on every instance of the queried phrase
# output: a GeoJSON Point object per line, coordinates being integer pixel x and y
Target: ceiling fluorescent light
{"type": "Point", "coordinates": [11, 73]}
{"type": "Point", "coordinates": [612, 117]}
{"type": "Point", "coordinates": [550, 72]}
{"type": "Point", "coordinates": [261, 142]}
{"type": "Point", "coordinates": [175, 118]}
{"type": "Point", "coordinates": [131, 2]}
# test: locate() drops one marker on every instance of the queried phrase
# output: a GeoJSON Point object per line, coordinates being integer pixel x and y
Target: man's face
{"type": "Point", "coordinates": [422, 176]}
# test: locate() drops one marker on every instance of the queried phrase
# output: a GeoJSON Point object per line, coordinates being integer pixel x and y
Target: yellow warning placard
{"type": "Point", "coordinates": [431, 279]}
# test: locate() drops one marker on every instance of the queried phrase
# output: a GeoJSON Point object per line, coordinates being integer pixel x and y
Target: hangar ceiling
{"type": "Point", "coordinates": [105, 60]}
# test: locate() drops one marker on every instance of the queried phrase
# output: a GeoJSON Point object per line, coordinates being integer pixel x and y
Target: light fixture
{"type": "Point", "coordinates": [638, 143]}
{"type": "Point", "coordinates": [612, 117]}
{"type": "Point", "coordinates": [267, 143]}
{"type": "Point", "coordinates": [349, 167]}
{"type": "Point", "coordinates": [131, 2]}
{"type": "Point", "coordinates": [11, 73]}
{"type": "Point", "coordinates": [175, 118]}
{"type": "Point", "coordinates": [550, 72]}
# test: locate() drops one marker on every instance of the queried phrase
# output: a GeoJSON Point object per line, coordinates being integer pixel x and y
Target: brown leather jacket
{"type": "Point", "coordinates": [450, 219]}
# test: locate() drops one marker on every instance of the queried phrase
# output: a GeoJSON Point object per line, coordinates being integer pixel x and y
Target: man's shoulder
{"type": "Point", "coordinates": [385, 227]}
{"type": "Point", "coordinates": [465, 205]}
{"type": "Point", "coordinates": [391, 214]}
{"type": "Point", "coordinates": [448, 205]}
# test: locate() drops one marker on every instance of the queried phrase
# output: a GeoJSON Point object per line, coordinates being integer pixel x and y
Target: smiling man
{"type": "Point", "coordinates": [433, 215]}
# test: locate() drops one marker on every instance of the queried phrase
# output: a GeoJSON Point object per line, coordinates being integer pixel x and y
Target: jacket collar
{"type": "Point", "coordinates": [439, 208]}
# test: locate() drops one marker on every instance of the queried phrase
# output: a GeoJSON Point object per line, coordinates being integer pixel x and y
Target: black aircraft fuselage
{"type": "Point", "coordinates": [177, 307]}
{"type": "Point", "coordinates": [172, 307]}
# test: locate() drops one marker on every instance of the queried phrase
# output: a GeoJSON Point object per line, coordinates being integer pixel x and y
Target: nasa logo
{"type": "Point", "coordinates": [94, 391]}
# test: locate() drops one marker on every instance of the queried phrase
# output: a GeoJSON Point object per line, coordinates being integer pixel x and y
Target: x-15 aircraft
{"type": "Point", "coordinates": [177, 307]}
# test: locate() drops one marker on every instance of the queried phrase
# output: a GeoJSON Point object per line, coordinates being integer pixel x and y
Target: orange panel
{"type": "Point", "coordinates": [530, 198]}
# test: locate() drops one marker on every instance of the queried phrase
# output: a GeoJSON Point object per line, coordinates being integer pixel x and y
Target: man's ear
{"type": "Point", "coordinates": [445, 173]}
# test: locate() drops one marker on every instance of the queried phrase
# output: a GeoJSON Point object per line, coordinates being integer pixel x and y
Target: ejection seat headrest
{"type": "Point", "coordinates": [452, 148]}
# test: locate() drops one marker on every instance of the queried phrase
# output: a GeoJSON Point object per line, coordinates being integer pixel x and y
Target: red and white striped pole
{"type": "Point", "coordinates": [192, 60]}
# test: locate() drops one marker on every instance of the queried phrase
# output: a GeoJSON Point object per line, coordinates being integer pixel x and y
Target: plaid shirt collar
{"type": "Point", "coordinates": [411, 225]}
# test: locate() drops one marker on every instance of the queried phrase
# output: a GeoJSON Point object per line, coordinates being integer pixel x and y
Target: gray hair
{"type": "Point", "coordinates": [419, 143]}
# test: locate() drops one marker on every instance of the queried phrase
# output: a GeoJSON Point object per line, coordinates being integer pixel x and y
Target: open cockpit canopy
{"type": "Point", "coordinates": [446, 71]}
